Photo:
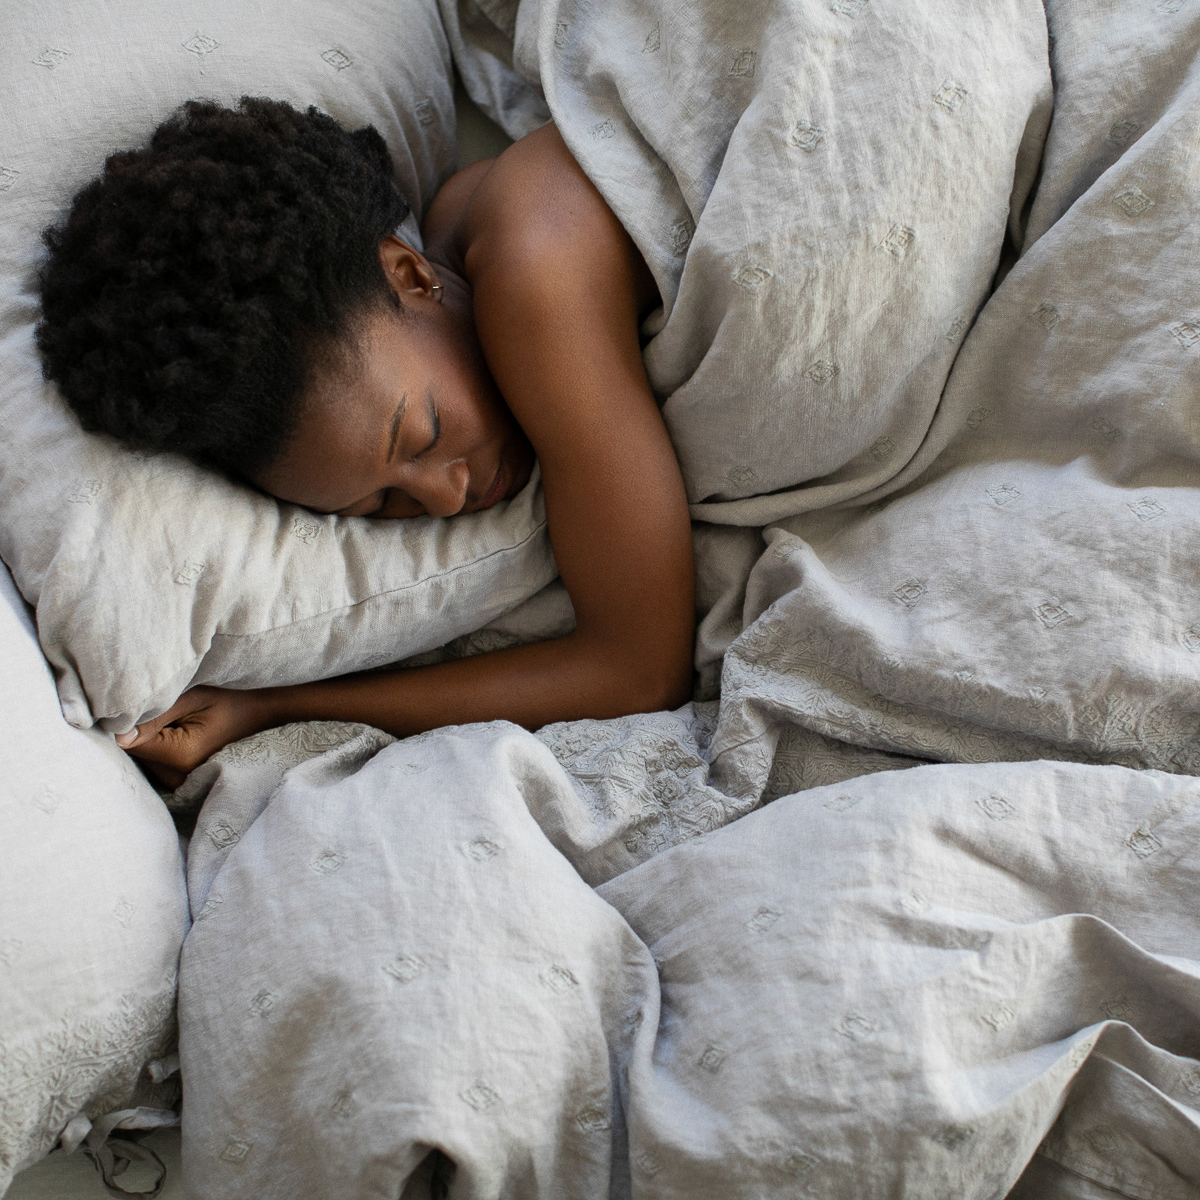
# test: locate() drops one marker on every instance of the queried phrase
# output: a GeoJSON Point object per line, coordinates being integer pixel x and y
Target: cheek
{"type": "Point", "coordinates": [397, 505]}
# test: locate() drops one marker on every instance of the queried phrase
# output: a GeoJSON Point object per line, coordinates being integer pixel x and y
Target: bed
{"type": "Point", "coordinates": [903, 902]}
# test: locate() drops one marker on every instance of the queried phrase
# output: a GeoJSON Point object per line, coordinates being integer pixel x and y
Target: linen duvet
{"type": "Point", "coordinates": [908, 909]}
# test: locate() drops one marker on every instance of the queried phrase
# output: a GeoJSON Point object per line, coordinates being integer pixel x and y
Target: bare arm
{"type": "Point", "coordinates": [558, 288]}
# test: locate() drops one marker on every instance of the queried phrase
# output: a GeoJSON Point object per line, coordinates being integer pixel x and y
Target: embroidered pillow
{"type": "Point", "coordinates": [93, 912]}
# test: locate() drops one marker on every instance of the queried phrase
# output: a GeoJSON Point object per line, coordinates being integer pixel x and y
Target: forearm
{"type": "Point", "coordinates": [565, 679]}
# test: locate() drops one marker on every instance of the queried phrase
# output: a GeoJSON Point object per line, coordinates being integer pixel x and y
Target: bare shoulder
{"type": "Point", "coordinates": [442, 226]}
{"type": "Point", "coordinates": [540, 225]}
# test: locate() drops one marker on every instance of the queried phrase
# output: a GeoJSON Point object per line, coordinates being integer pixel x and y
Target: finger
{"type": "Point", "coordinates": [147, 729]}
{"type": "Point", "coordinates": [143, 733]}
{"type": "Point", "coordinates": [166, 747]}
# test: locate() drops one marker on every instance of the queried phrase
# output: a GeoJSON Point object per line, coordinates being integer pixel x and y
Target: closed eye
{"type": "Point", "coordinates": [437, 432]}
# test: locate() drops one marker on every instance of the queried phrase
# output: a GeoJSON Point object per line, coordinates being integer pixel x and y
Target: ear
{"type": "Point", "coordinates": [407, 270]}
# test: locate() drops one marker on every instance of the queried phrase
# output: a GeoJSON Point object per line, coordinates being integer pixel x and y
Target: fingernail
{"type": "Point", "coordinates": [125, 740]}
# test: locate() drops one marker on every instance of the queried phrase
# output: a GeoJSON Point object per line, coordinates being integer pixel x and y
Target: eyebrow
{"type": "Point", "coordinates": [394, 435]}
{"type": "Point", "coordinates": [393, 439]}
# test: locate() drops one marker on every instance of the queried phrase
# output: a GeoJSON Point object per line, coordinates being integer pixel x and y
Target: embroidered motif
{"type": "Point", "coordinates": [1004, 493]}
{"type": "Point", "coordinates": [604, 130]}
{"type": "Point", "coordinates": [50, 57]}
{"type": "Point", "coordinates": [899, 239]}
{"type": "Point", "coordinates": [647, 1164]}
{"type": "Point", "coordinates": [996, 807]}
{"type": "Point", "coordinates": [854, 1026]}
{"type": "Point", "coordinates": [681, 236]}
{"type": "Point", "coordinates": [263, 1003]}
{"type": "Point", "coordinates": [1133, 201]}
{"type": "Point", "coordinates": [806, 136]}
{"type": "Point", "coordinates": [223, 835]}
{"type": "Point", "coordinates": [236, 1150]}
{"type": "Point", "coordinates": [841, 804]}
{"type": "Point", "coordinates": [751, 277]}
{"type": "Point", "coordinates": [950, 96]}
{"type": "Point", "coordinates": [480, 1096]}
{"type": "Point", "coordinates": [306, 530]}
{"type": "Point", "coordinates": [327, 862]}
{"type": "Point", "coordinates": [86, 491]}
{"type": "Point", "coordinates": [47, 799]}
{"type": "Point", "coordinates": [593, 1119]}
{"type": "Point", "coordinates": [711, 1059]}
{"type": "Point", "coordinates": [405, 968]}
{"type": "Point", "coordinates": [952, 1136]}
{"type": "Point", "coordinates": [743, 64]}
{"type": "Point", "coordinates": [481, 849]}
{"type": "Point", "coordinates": [91, 1063]}
{"type": "Point", "coordinates": [763, 919]}
{"type": "Point", "coordinates": [653, 40]}
{"type": "Point", "coordinates": [909, 593]}
{"type": "Point", "coordinates": [337, 58]}
{"type": "Point", "coordinates": [200, 44]}
{"type": "Point", "coordinates": [1186, 333]}
{"type": "Point", "coordinates": [189, 573]}
{"type": "Point", "coordinates": [1046, 315]}
{"type": "Point", "coordinates": [999, 1018]}
{"type": "Point", "coordinates": [1123, 130]}
{"type": "Point", "coordinates": [1147, 509]}
{"type": "Point", "coordinates": [1050, 614]}
{"type": "Point", "coordinates": [822, 371]}
{"type": "Point", "coordinates": [1143, 843]}
{"type": "Point", "coordinates": [558, 979]}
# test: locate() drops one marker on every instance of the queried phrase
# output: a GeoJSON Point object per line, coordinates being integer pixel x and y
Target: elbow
{"type": "Point", "coordinates": [661, 686]}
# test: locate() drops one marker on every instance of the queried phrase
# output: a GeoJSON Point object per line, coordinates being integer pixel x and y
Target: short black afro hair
{"type": "Point", "coordinates": [195, 285]}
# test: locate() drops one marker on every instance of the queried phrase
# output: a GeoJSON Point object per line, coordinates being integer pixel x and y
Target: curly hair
{"type": "Point", "coordinates": [194, 287]}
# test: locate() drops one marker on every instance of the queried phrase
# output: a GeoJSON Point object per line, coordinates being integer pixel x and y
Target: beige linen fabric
{"type": "Point", "coordinates": [150, 574]}
{"type": "Point", "coordinates": [896, 978]}
{"type": "Point", "coordinates": [93, 912]}
{"type": "Point", "coordinates": [906, 984]}
{"type": "Point", "coordinates": [822, 191]}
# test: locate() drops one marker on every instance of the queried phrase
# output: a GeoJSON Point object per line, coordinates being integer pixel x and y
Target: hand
{"type": "Point", "coordinates": [193, 729]}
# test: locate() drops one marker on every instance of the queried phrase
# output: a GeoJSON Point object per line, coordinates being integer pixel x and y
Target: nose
{"type": "Point", "coordinates": [441, 489]}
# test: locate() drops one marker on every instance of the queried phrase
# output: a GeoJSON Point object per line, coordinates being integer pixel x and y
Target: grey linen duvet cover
{"type": "Point", "coordinates": [910, 910]}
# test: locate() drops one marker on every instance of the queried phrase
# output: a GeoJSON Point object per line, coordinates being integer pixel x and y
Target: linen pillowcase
{"type": "Point", "coordinates": [93, 912]}
{"type": "Point", "coordinates": [149, 573]}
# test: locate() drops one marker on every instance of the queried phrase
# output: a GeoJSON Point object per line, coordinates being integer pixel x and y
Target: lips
{"type": "Point", "coordinates": [497, 491]}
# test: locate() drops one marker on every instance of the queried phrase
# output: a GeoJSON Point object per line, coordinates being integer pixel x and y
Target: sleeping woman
{"type": "Point", "coordinates": [236, 292]}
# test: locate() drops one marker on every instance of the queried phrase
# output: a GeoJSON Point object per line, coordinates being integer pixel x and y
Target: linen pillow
{"type": "Point", "coordinates": [93, 912]}
{"type": "Point", "coordinates": [150, 574]}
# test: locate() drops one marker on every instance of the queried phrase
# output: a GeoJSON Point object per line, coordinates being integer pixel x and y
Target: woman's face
{"type": "Point", "coordinates": [410, 423]}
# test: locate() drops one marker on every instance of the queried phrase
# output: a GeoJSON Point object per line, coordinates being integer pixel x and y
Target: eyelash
{"type": "Point", "coordinates": [437, 435]}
